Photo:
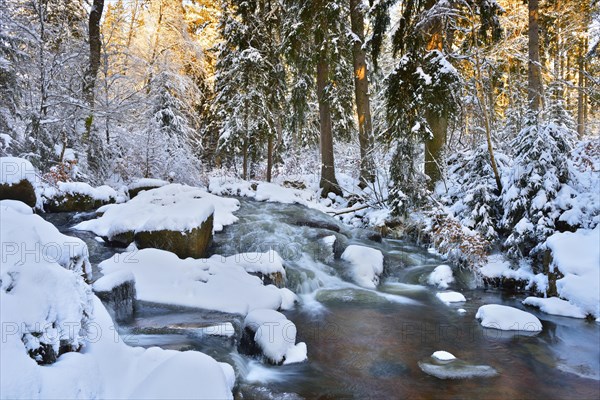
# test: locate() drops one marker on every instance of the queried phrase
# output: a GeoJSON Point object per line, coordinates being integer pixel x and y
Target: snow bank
{"type": "Point", "coordinates": [276, 336]}
{"type": "Point", "coordinates": [171, 207]}
{"type": "Point", "coordinates": [498, 266]}
{"type": "Point", "coordinates": [108, 368]}
{"type": "Point", "coordinates": [441, 276]}
{"type": "Point", "coordinates": [13, 170]}
{"type": "Point", "coordinates": [367, 264]}
{"type": "Point", "coordinates": [28, 239]}
{"type": "Point", "coordinates": [450, 297]}
{"type": "Point", "coordinates": [555, 306]}
{"type": "Point", "coordinates": [217, 283]}
{"type": "Point", "coordinates": [16, 205]}
{"type": "Point", "coordinates": [507, 318]}
{"type": "Point", "coordinates": [577, 256]}
{"type": "Point", "coordinates": [46, 307]}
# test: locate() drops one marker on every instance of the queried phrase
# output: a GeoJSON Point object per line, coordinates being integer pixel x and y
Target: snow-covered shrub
{"type": "Point", "coordinates": [473, 195]}
{"type": "Point", "coordinates": [579, 200]}
{"type": "Point", "coordinates": [540, 172]}
{"type": "Point", "coordinates": [460, 244]}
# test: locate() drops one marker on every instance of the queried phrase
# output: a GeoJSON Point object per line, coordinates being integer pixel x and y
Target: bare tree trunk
{"type": "Point", "coordinates": [580, 91]}
{"type": "Point", "coordinates": [328, 181]}
{"type": "Point", "coordinates": [535, 88]}
{"type": "Point", "coordinates": [361, 93]}
{"type": "Point", "coordinates": [269, 157]}
{"type": "Point", "coordinates": [95, 50]}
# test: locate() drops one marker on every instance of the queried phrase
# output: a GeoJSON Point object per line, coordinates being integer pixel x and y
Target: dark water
{"type": "Point", "coordinates": [367, 344]}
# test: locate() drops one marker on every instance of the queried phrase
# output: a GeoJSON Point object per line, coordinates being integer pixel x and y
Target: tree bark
{"type": "Point", "coordinates": [269, 157]}
{"type": "Point", "coordinates": [328, 181]}
{"type": "Point", "coordinates": [434, 147]}
{"type": "Point", "coordinates": [580, 91]}
{"type": "Point", "coordinates": [534, 70]}
{"type": "Point", "coordinates": [361, 93]}
{"type": "Point", "coordinates": [95, 50]}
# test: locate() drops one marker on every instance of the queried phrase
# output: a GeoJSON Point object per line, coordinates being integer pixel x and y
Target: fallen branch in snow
{"type": "Point", "coordinates": [348, 210]}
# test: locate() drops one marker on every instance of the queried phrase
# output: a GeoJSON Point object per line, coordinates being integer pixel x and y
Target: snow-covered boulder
{"type": "Point", "coordinates": [366, 264]}
{"type": "Point", "coordinates": [555, 306]}
{"type": "Point", "coordinates": [18, 181]}
{"type": "Point", "coordinates": [217, 283]}
{"type": "Point", "coordinates": [450, 297]}
{"type": "Point", "coordinates": [507, 318]}
{"type": "Point", "coordinates": [174, 217]}
{"type": "Point", "coordinates": [144, 184]}
{"type": "Point", "coordinates": [108, 368]}
{"type": "Point", "coordinates": [271, 334]}
{"type": "Point", "coordinates": [576, 257]}
{"type": "Point", "coordinates": [441, 276]}
{"type": "Point", "coordinates": [117, 291]}
{"type": "Point", "coordinates": [45, 302]}
{"type": "Point", "coordinates": [77, 196]}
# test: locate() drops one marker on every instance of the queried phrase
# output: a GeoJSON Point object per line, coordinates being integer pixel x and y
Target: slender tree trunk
{"type": "Point", "coordinates": [580, 91]}
{"type": "Point", "coordinates": [361, 93]}
{"type": "Point", "coordinates": [328, 181]}
{"type": "Point", "coordinates": [269, 157]}
{"type": "Point", "coordinates": [535, 88]}
{"type": "Point", "coordinates": [95, 50]}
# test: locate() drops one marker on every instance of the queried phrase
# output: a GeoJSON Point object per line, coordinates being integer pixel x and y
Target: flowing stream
{"type": "Point", "coordinates": [368, 343]}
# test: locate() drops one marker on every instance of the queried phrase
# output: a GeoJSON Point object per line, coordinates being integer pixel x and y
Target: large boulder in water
{"type": "Point", "coordinates": [17, 180]}
{"type": "Point", "coordinates": [190, 243]}
{"type": "Point", "coordinates": [177, 218]}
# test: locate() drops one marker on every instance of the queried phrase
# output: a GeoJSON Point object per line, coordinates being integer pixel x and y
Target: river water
{"type": "Point", "coordinates": [368, 343]}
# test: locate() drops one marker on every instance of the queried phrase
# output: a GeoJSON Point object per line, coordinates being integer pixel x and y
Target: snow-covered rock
{"type": "Point", "coordinates": [44, 300]}
{"type": "Point", "coordinates": [172, 207]}
{"type": "Point", "coordinates": [441, 276]}
{"type": "Point", "coordinates": [144, 184]}
{"type": "Point", "coordinates": [366, 264]}
{"type": "Point", "coordinates": [18, 181]}
{"type": "Point", "coordinates": [275, 335]}
{"type": "Point", "coordinates": [507, 318]}
{"type": "Point", "coordinates": [555, 306]}
{"type": "Point", "coordinates": [174, 217]}
{"type": "Point", "coordinates": [217, 283]}
{"type": "Point", "coordinates": [268, 266]}
{"type": "Point", "coordinates": [450, 297]}
{"type": "Point", "coordinates": [47, 310]}
{"type": "Point", "coordinates": [27, 238]}
{"type": "Point", "coordinates": [117, 290]}
{"type": "Point", "coordinates": [444, 365]}
{"type": "Point", "coordinates": [14, 170]}
{"type": "Point", "coordinates": [77, 196]}
{"type": "Point", "coordinates": [576, 255]}
{"type": "Point", "coordinates": [17, 206]}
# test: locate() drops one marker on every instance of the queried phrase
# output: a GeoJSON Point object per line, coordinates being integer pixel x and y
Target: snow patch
{"type": "Point", "coordinates": [441, 276]}
{"type": "Point", "coordinates": [507, 318]}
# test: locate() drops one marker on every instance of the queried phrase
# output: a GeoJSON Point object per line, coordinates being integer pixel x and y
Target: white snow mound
{"type": "Point", "coordinates": [441, 276]}
{"type": "Point", "coordinates": [507, 318]}
{"type": "Point", "coordinates": [366, 263]}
